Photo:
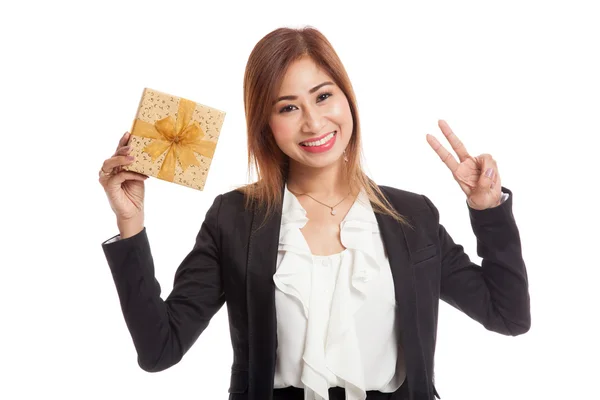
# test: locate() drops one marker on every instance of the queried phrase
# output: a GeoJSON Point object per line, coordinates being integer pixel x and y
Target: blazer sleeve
{"type": "Point", "coordinates": [163, 331]}
{"type": "Point", "coordinates": [496, 294]}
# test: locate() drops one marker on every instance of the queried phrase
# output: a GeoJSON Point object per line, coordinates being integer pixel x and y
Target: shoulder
{"type": "Point", "coordinates": [233, 196]}
{"type": "Point", "coordinates": [230, 201]}
{"type": "Point", "coordinates": [414, 206]}
{"type": "Point", "coordinates": [405, 202]}
{"type": "Point", "coordinates": [228, 212]}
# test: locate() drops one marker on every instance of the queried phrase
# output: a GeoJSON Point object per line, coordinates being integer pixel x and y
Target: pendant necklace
{"type": "Point", "coordinates": [333, 212]}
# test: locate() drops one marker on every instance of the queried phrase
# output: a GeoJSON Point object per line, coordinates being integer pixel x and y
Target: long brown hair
{"type": "Point", "coordinates": [265, 70]}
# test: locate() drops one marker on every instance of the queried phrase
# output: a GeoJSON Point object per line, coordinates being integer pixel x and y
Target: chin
{"type": "Point", "coordinates": [323, 162]}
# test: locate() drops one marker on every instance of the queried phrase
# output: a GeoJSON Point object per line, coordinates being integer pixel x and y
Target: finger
{"type": "Point", "coordinates": [497, 182]}
{"type": "Point", "coordinates": [455, 142]}
{"type": "Point", "coordinates": [444, 154]}
{"type": "Point", "coordinates": [116, 161]}
{"type": "Point", "coordinates": [488, 171]}
{"type": "Point", "coordinates": [123, 151]}
{"type": "Point", "coordinates": [123, 176]}
{"type": "Point", "coordinates": [123, 141]}
{"type": "Point", "coordinates": [480, 160]}
{"type": "Point", "coordinates": [119, 178]}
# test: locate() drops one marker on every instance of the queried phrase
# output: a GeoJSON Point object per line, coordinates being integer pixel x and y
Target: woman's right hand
{"type": "Point", "coordinates": [124, 189]}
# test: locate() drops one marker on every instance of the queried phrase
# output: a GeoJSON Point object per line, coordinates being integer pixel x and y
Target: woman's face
{"type": "Point", "coordinates": [311, 119]}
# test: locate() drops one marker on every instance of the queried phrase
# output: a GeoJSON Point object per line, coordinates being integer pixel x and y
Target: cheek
{"type": "Point", "coordinates": [282, 128]}
{"type": "Point", "coordinates": [340, 112]}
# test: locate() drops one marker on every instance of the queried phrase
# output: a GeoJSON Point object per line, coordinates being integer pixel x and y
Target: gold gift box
{"type": "Point", "coordinates": [174, 139]}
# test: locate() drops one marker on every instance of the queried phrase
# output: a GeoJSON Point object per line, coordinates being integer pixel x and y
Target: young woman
{"type": "Point", "coordinates": [332, 283]}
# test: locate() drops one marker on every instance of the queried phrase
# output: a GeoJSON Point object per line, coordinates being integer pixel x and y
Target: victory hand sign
{"type": "Point", "coordinates": [477, 176]}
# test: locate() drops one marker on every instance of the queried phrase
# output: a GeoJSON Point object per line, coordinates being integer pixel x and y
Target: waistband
{"type": "Point", "coordinates": [335, 393]}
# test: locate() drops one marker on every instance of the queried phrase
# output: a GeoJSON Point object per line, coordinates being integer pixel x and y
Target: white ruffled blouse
{"type": "Point", "coordinates": [335, 314]}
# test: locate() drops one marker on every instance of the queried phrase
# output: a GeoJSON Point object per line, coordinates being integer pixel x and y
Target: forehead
{"type": "Point", "coordinates": [301, 76]}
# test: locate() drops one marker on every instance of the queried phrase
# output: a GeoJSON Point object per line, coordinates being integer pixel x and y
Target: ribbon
{"type": "Point", "coordinates": [180, 138]}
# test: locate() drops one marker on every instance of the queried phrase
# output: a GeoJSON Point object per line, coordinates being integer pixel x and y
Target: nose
{"type": "Point", "coordinates": [314, 121]}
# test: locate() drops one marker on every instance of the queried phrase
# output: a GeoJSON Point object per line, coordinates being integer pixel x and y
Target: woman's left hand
{"type": "Point", "coordinates": [477, 176]}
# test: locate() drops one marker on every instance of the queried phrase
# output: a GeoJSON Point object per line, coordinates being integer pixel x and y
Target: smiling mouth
{"type": "Point", "coordinates": [320, 142]}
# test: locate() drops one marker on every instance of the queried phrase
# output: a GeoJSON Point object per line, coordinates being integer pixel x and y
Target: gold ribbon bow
{"type": "Point", "coordinates": [180, 138]}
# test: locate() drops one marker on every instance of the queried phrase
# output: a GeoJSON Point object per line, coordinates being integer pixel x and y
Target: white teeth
{"type": "Point", "coordinates": [319, 142]}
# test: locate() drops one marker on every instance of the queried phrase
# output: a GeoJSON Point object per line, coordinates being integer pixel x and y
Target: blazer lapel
{"type": "Point", "coordinates": [260, 292]}
{"type": "Point", "coordinates": [400, 242]}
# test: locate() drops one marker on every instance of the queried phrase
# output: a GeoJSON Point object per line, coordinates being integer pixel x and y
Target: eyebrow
{"type": "Point", "coordinates": [319, 86]}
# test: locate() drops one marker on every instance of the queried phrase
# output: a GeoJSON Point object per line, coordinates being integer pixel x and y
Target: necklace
{"type": "Point", "coordinates": [333, 212]}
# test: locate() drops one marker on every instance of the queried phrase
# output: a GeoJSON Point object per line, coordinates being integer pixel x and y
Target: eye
{"type": "Point", "coordinates": [323, 96]}
{"type": "Point", "coordinates": [287, 108]}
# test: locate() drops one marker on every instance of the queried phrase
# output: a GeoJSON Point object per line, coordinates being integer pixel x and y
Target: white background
{"type": "Point", "coordinates": [516, 79]}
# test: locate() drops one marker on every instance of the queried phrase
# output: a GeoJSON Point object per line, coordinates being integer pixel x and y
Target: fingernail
{"type": "Point", "coordinates": [489, 172]}
{"type": "Point", "coordinates": [130, 158]}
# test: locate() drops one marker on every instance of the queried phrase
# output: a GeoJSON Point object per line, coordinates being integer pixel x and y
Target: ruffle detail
{"type": "Point", "coordinates": [331, 347]}
{"type": "Point", "coordinates": [290, 279]}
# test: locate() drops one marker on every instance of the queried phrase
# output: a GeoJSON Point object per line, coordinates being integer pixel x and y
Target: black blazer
{"type": "Point", "coordinates": [234, 260]}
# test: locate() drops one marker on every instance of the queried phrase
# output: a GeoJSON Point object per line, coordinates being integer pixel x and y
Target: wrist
{"type": "Point", "coordinates": [130, 226]}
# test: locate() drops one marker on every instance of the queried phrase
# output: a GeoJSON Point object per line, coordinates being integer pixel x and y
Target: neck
{"type": "Point", "coordinates": [328, 182]}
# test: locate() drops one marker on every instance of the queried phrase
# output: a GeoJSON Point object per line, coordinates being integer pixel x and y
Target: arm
{"type": "Point", "coordinates": [163, 331]}
{"type": "Point", "coordinates": [495, 293]}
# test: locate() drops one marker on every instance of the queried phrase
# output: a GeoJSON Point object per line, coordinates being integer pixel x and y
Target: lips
{"type": "Point", "coordinates": [328, 135]}
{"type": "Point", "coordinates": [323, 145]}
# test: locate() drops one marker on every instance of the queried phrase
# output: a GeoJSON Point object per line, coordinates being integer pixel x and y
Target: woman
{"type": "Point", "coordinates": [332, 282]}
